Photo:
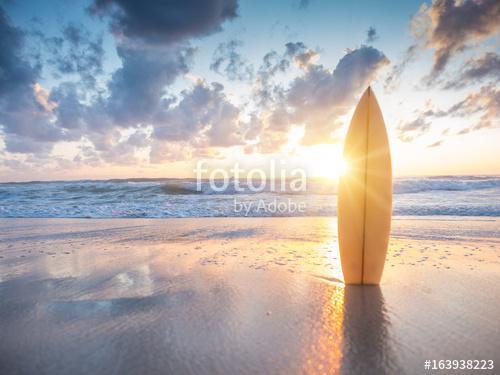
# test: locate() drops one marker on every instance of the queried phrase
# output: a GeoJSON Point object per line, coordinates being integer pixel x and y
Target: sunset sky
{"type": "Point", "coordinates": [124, 88]}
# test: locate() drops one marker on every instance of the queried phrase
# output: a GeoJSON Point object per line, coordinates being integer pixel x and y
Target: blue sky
{"type": "Point", "coordinates": [105, 88]}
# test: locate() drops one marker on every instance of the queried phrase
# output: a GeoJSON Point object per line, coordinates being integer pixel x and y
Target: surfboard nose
{"type": "Point", "coordinates": [365, 97]}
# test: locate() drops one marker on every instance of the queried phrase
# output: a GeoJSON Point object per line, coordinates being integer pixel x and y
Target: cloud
{"type": "Point", "coordinates": [135, 94]}
{"type": "Point", "coordinates": [317, 98]}
{"type": "Point", "coordinates": [253, 127]}
{"type": "Point", "coordinates": [408, 131]}
{"type": "Point", "coordinates": [42, 98]}
{"type": "Point", "coordinates": [25, 111]}
{"type": "Point", "coordinates": [69, 110]}
{"type": "Point", "coordinates": [136, 89]}
{"type": "Point", "coordinates": [165, 22]}
{"type": "Point", "coordinates": [76, 52]}
{"type": "Point", "coordinates": [302, 56]}
{"type": "Point", "coordinates": [88, 156]}
{"type": "Point", "coordinates": [139, 139]}
{"type": "Point", "coordinates": [392, 78]}
{"type": "Point", "coordinates": [124, 151]}
{"type": "Point", "coordinates": [371, 35]}
{"type": "Point", "coordinates": [24, 144]}
{"type": "Point", "coordinates": [16, 72]}
{"type": "Point", "coordinates": [162, 151]}
{"type": "Point", "coordinates": [153, 48]}
{"type": "Point", "coordinates": [435, 144]}
{"type": "Point", "coordinates": [32, 118]}
{"type": "Point", "coordinates": [265, 91]}
{"type": "Point", "coordinates": [227, 61]}
{"type": "Point", "coordinates": [484, 103]}
{"type": "Point", "coordinates": [134, 110]}
{"type": "Point", "coordinates": [476, 70]}
{"type": "Point", "coordinates": [203, 116]}
{"type": "Point", "coordinates": [450, 26]}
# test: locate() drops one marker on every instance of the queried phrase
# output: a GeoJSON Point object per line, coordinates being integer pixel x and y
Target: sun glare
{"type": "Point", "coordinates": [325, 161]}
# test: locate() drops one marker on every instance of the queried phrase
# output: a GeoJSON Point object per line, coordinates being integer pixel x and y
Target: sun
{"type": "Point", "coordinates": [325, 161]}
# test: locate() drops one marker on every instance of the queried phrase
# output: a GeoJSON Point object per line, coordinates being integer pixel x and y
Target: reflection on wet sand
{"type": "Point", "coordinates": [354, 338]}
{"type": "Point", "coordinates": [190, 320]}
{"type": "Point", "coordinates": [366, 345]}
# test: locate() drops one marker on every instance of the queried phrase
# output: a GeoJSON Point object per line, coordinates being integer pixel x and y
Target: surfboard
{"type": "Point", "coordinates": [364, 205]}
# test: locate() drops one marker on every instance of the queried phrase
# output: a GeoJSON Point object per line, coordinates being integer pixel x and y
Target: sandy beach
{"type": "Point", "coordinates": [242, 295]}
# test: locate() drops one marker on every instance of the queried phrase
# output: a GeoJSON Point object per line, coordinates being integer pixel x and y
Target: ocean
{"type": "Point", "coordinates": [154, 198]}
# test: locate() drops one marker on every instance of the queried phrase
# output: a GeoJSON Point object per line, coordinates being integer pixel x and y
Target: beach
{"type": "Point", "coordinates": [242, 295]}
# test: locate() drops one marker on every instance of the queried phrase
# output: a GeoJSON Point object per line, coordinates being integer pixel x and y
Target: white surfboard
{"type": "Point", "coordinates": [364, 205]}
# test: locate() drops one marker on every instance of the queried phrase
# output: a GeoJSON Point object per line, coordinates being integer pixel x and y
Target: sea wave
{"type": "Point", "coordinates": [443, 195]}
{"type": "Point", "coordinates": [418, 185]}
{"type": "Point", "coordinates": [402, 185]}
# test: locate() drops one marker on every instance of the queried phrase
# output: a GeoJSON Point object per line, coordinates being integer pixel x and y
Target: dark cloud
{"type": "Point", "coordinates": [74, 35]}
{"type": "Point", "coordinates": [16, 72]}
{"type": "Point", "coordinates": [452, 25]}
{"type": "Point", "coordinates": [165, 21]}
{"type": "Point", "coordinates": [475, 70]}
{"type": "Point", "coordinates": [136, 89]}
{"type": "Point", "coordinates": [70, 112]}
{"type": "Point", "coordinates": [229, 62]}
{"type": "Point", "coordinates": [77, 52]}
{"type": "Point", "coordinates": [24, 107]}
{"type": "Point", "coordinates": [371, 35]}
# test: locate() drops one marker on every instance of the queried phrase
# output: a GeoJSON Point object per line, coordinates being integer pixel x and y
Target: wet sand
{"type": "Point", "coordinates": [242, 295]}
